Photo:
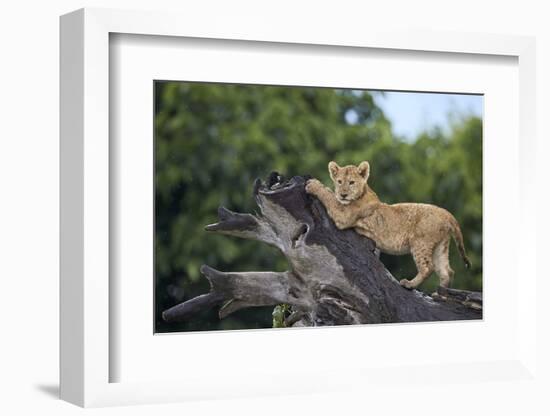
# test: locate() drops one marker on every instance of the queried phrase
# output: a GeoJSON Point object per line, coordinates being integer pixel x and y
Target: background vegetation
{"type": "Point", "coordinates": [213, 140]}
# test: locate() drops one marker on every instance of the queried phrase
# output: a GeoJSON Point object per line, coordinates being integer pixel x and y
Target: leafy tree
{"type": "Point", "coordinates": [213, 140]}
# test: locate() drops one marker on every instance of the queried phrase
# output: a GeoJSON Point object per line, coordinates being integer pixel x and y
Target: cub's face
{"type": "Point", "coordinates": [349, 181]}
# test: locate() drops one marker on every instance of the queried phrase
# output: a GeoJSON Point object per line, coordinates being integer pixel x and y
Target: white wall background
{"type": "Point", "coordinates": [29, 206]}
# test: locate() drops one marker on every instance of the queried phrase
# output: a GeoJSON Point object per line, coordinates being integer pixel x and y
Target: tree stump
{"type": "Point", "coordinates": [335, 276]}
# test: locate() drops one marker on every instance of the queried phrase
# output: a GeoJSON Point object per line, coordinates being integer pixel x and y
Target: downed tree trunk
{"type": "Point", "coordinates": [334, 278]}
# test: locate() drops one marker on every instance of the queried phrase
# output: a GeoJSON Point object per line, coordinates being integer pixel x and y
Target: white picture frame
{"type": "Point", "coordinates": [86, 355]}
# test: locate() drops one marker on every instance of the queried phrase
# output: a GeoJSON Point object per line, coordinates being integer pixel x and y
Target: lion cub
{"type": "Point", "coordinates": [420, 229]}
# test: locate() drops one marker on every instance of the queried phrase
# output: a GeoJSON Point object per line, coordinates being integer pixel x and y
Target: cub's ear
{"type": "Point", "coordinates": [364, 169]}
{"type": "Point", "coordinates": [333, 169]}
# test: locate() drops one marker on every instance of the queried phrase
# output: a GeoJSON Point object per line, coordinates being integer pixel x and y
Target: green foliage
{"type": "Point", "coordinates": [213, 140]}
{"type": "Point", "coordinates": [279, 314]}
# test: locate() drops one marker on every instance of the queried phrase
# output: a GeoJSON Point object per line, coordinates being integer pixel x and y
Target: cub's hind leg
{"type": "Point", "coordinates": [423, 258]}
{"type": "Point", "coordinates": [441, 263]}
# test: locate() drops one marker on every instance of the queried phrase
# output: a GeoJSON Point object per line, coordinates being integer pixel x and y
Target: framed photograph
{"type": "Point", "coordinates": [211, 139]}
{"type": "Point", "coordinates": [298, 213]}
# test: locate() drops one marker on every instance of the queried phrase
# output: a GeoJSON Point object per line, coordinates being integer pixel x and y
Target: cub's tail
{"type": "Point", "coordinates": [459, 241]}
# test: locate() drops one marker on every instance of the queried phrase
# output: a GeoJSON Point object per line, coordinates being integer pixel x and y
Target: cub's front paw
{"type": "Point", "coordinates": [312, 186]}
{"type": "Point", "coordinates": [406, 283]}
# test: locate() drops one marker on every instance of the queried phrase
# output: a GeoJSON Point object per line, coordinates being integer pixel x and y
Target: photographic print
{"type": "Point", "coordinates": [291, 206]}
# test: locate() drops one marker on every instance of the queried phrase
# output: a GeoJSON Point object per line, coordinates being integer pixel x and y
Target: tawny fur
{"type": "Point", "coordinates": [422, 230]}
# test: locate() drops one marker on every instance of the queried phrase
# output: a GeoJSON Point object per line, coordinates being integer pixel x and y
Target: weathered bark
{"type": "Point", "coordinates": [335, 277]}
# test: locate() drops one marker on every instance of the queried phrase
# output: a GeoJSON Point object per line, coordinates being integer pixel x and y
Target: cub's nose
{"type": "Point", "coordinates": [343, 196]}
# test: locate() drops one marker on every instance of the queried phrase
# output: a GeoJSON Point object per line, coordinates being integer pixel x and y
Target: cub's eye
{"type": "Point", "coordinates": [339, 181]}
{"type": "Point", "coordinates": [351, 182]}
